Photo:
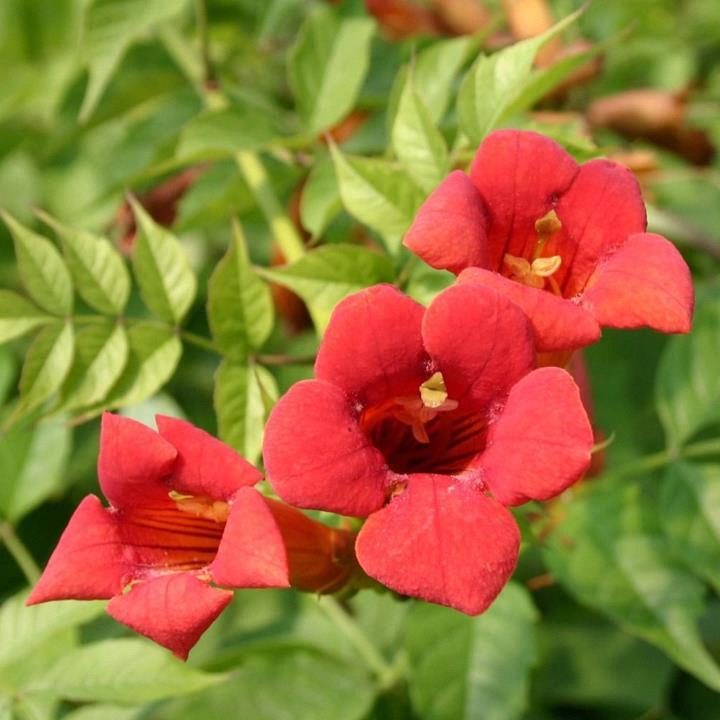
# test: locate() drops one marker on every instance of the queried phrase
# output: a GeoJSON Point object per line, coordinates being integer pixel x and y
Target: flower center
{"type": "Point", "coordinates": [180, 535]}
{"type": "Point", "coordinates": [427, 432]}
{"type": "Point", "coordinates": [538, 271]}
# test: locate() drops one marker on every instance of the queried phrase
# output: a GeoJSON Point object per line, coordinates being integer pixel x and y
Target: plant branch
{"type": "Point", "coordinates": [20, 553]}
{"type": "Point", "coordinates": [281, 226]}
{"type": "Point", "coordinates": [201, 20]}
{"type": "Point", "coordinates": [199, 341]}
{"type": "Point", "coordinates": [284, 360]}
{"type": "Point", "coordinates": [375, 662]}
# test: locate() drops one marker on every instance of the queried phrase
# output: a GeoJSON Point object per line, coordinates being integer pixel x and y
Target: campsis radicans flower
{"type": "Point", "coordinates": [565, 242]}
{"type": "Point", "coordinates": [184, 524]}
{"type": "Point", "coordinates": [429, 423]}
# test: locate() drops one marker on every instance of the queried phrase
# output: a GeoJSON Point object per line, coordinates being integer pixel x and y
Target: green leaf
{"type": "Point", "coordinates": [18, 316]}
{"type": "Point", "coordinates": [42, 269]}
{"type": "Point", "coordinates": [167, 282]}
{"type": "Point", "coordinates": [325, 276]}
{"type": "Point", "coordinates": [219, 133]}
{"type": "Point", "coordinates": [320, 201]}
{"type": "Point", "coordinates": [418, 144]}
{"type": "Point", "coordinates": [463, 667]}
{"type": "Point", "coordinates": [239, 399]}
{"type": "Point", "coordinates": [494, 82]}
{"type": "Point", "coordinates": [25, 630]}
{"type": "Point", "coordinates": [127, 671]}
{"type": "Point", "coordinates": [99, 272]}
{"type": "Point", "coordinates": [111, 27]}
{"type": "Point", "coordinates": [32, 463]}
{"type": "Point", "coordinates": [377, 193]}
{"type": "Point", "coordinates": [101, 353]}
{"type": "Point", "coordinates": [610, 553]}
{"type": "Point", "coordinates": [240, 307]}
{"type": "Point", "coordinates": [155, 351]}
{"type": "Point", "coordinates": [47, 364]}
{"type": "Point", "coordinates": [690, 511]}
{"type": "Point", "coordinates": [328, 65]}
{"type": "Point", "coordinates": [103, 712]}
{"type": "Point", "coordinates": [435, 70]}
{"type": "Point", "coordinates": [687, 390]}
{"type": "Point", "coordinates": [287, 683]}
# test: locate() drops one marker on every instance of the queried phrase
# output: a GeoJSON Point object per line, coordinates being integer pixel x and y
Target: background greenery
{"type": "Point", "coordinates": [215, 116]}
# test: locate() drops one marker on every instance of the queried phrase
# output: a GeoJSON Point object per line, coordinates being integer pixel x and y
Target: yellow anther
{"type": "Point", "coordinates": [548, 224]}
{"type": "Point", "coordinates": [545, 267]}
{"type": "Point", "coordinates": [433, 391]}
{"type": "Point", "coordinates": [201, 507]}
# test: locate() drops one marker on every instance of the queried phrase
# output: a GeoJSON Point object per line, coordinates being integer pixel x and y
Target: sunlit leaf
{"type": "Point", "coordinates": [320, 201]}
{"type": "Point", "coordinates": [325, 276]}
{"type": "Point", "coordinates": [240, 308]}
{"type": "Point", "coordinates": [42, 269]}
{"type": "Point", "coordinates": [328, 65]}
{"type": "Point", "coordinates": [161, 266]}
{"type": "Point", "coordinates": [18, 316]}
{"type": "Point", "coordinates": [100, 274]}
{"type": "Point", "coordinates": [239, 399]}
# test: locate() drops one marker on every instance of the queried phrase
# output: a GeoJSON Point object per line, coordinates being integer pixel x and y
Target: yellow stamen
{"type": "Point", "coordinates": [545, 267]}
{"type": "Point", "coordinates": [203, 507]}
{"type": "Point", "coordinates": [418, 411]}
{"type": "Point", "coordinates": [548, 224]}
{"type": "Point", "coordinates": [433, 392]}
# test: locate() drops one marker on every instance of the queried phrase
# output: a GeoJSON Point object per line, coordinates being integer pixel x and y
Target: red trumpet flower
{"type": "Point", "coordinates": [430, 422]}
{"type": "Point", "coordinates": [565, 242]}
{"type": "Point", "coordinates": [183, 518]}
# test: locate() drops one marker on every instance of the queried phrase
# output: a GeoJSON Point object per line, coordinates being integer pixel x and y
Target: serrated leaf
{"type": "Point", "coordinates": [687, 389]}
{"type": "Point", "coordinates": [32, 463]}
{"type": "Point", "coordinates": [100, 274]}
{"type": "Point", "coordinates": [111, 27]}
{"type": "Point", "coordinates": [24, 630]}
{"type": "Point", "coordinates": [494, 82]}
{"type": "Point", "coordinates": [220, 133]}
{"type": "Point", "coordinates": [418, 144]}
{"type": "Point", "coordinates": [325, 276]}
{"type": "Point", "coordinates": [154, 354]}
{"type": "Point", "coordinates": [610, 553]}
{"type": "Point", "coordinates": [463, 667]}
{"type": "Point", "coordinates": [167, 282]}
{"type": "Point", "coordinates": [320, 201]}
{"type": "Point", "coordinates": [47, 364]}
{"type": "Point", "coordinates": [690, 511]}
{"type": "Point", "coordinates": [328, 65]}
{"type": "Point", "coordinates": [101, 353]}
{"type": "Point", "coordinates": [239, 400]}
{"type": "Point", "coordinates": [127, 671]}
{"type": "Point", "coordinates": [240, 307]}
{"type": "Point", "coordinates": [18, 316]}
{"type": "Point", "coordinates": [42, 269]}
{"type": "Point", "coordinates": [377, 193]}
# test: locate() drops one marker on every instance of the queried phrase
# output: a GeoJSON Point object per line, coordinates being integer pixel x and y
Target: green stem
{"type": "Point", "coordinates": [199, 341]}
{"type": "Point", "coordinates": [284, 360]}
{"type": "Point", "coordinates": [20, 553]}
{"type": "Point", "coordinates": [281, 226]}
{"type": "Point", "coordinates": [201, 20]}
{"type": "Point", "coordinates": [700, 449]}
{"type": "Point", "coordinates": [375, 662]}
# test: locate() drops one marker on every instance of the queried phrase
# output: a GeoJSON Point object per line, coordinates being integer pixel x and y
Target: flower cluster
{"type": "Point", "coordinates": [427, 423]}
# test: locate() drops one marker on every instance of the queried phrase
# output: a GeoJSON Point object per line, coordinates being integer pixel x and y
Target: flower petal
{"type": "Point", "coordinates": [251, 553]}
{"type": "Point", "coordinates": [134, 462]}
{"type": "Point", "coordinates": [89, 562]}
{"type": "Point", "coordinates": [557, 323]}
{"type": "Point", "coordinates": [520, 175]}
{"type": "Point", "coordinates": [442, 541]}
{"type": "Point", "coordinates": [448, 232]}
{"type": "Point", "coordinates": [646, 282]}
{"type": "Point", "coordinates": [372, 347]}
{"type": "Point", "coordinates": [174, 610]}
{"type": "Point", "coordinates": [541, 442]}
{"type": "Point", "coordinates": [602, 208]}
{"type": "Point", "coordinates": [205, 465]}
{"type": "Point", "coordinates": [480, 341]}
{"type": "Point", "coordinates": [316, 455]}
